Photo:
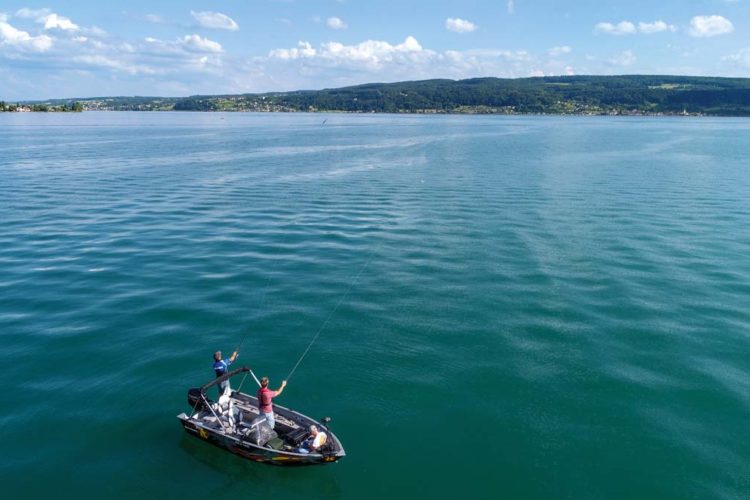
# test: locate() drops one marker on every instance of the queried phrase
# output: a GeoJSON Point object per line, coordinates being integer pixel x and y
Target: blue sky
{"type": "Point", "coordinates": [174, 48]}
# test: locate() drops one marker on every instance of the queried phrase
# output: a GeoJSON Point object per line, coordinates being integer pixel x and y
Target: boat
{"type": "Point", "coordinates": [234, 424]}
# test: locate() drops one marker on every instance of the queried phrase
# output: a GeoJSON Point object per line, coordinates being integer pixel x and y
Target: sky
{"type": "Point", "coordinates": [86, 48]}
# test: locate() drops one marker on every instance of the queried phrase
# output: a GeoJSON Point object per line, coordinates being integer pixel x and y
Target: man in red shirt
{"type": "Point", "coordinates": [265, 400]}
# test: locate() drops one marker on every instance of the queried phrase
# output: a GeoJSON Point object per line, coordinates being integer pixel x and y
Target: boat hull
{"type": "Point", "coordinates": [250, 451]}
{"type": "Point", "coordinates": [230, 427]}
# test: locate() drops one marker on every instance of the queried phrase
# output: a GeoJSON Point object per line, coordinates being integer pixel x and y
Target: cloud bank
{"type": "Point", "coordinates": [19, 41]}
{"type": "Point", "coordinates": [85, 60]}
{"type": "Point", "coordinates": [629, 28]}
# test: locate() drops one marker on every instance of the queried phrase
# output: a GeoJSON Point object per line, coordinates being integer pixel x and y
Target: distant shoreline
{"type": "Point", "coordinates": [73, 107]}
{"type": "Point", "coordinates": [629, 95]}
{"type": "Point", "coordinates": [419, 112]}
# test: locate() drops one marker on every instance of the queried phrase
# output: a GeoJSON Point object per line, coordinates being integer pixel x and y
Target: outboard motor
{"type": "Point", "coordinates": [195, 400]}
{"type": "Point", "coordinates": [325, 421]}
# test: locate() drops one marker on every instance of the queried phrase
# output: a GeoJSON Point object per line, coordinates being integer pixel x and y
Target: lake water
{"type": "Point", "coordinates": [530, 307]}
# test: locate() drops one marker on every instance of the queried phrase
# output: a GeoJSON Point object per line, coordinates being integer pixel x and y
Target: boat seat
{"type": "Point", "coordinates": [296, 436]}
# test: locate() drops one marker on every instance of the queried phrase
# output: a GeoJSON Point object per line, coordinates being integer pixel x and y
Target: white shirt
{"type": "Point", "coordinates": [320, 440]}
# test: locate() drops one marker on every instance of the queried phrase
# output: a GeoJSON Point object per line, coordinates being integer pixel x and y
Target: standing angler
{"type": "Point", "coordinates": [221, 366]}
{"type": "Point", "coordinates": [265, 400]}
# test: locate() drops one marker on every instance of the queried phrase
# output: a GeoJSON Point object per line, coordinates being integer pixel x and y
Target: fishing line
{"type": "Point", "coordinates": [259, 308]}
{"type": "Point", "coordinates": [260, 304]}
{"type": "Point", "coordinates": [330, 315]}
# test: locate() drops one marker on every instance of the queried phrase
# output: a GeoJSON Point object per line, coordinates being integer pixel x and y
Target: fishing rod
{"type": "Point", "coordinates": [239, 389]}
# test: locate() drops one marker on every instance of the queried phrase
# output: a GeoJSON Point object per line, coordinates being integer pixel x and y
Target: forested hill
{"type": "Point", "coordinates": [632, 94]}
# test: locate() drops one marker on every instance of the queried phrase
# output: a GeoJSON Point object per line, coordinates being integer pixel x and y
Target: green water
{"type": "Point", "coordinates": [541, 307]}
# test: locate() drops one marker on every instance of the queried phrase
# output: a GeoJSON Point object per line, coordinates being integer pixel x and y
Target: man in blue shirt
{"type": "Point", "coordinates": [221, 366]}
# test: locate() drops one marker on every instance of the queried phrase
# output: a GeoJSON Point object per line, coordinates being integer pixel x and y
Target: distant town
{"type": "Point", "coordinates": [569, 95]}
{"type": "Point", "coordinates": [76, 106]}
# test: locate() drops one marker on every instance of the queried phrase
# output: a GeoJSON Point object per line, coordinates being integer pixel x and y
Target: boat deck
{"type": "Point", "coordinates": [291, 427]}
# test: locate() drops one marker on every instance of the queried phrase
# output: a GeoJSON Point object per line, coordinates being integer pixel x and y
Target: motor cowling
{"type": "Point", "coordinates": [195, 399]}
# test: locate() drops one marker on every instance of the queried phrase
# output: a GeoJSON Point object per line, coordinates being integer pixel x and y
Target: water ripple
{"type": "Point", "coordinates": [570, 293]}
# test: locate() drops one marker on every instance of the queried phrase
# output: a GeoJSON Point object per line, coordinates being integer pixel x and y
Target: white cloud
{"type": "Point", "coordinates": [655, 27]}
{"type": "Point", "coordinates": [215, 20]}
{"type": "Point", "coordinates": [49, 19]}
{"type": "Point", "coordinates": [558, 51]}
{"type": "Point", "coordinates": [97, 31]}
{"type": "Point", "coordinates": [15, 38]}
{"type": "Point", "coordinates": [154, 18]}
{"type": "Point", "coordinates": [103, 61]}
{"type": "Point", "coordinates": [3, 17]}
{"type": "Point", "coordinates": [741, 58]}
{"type": "Point", "coordinates": [111, 65]}
{"type": "Point", "coordinates": [510, 55]}
{"type": "Point", "coordinates": [625, 58]}
{"type": "Point", "coordinates": [511, 7]}
{"type": "Point", "coordinates": [200, 44]}
{"type": "Point", "coordinates": [337, 64]}
{"type": "Point", "coordinates": [708, 26]}
{"type": "Point", "coordinates": [53, 21]}
{"type": "Point", "coordinates": [32, 13]}
{"type": "Point", "coordinates": [628, 28]}
{"type": "Point", "coordinates": [621, 28]}
{"type": "Point", "coordinates": [459, 25]}
{"type": "Point", "coordinates": [336, 23]}
{"type": "Point", "coordinates": [303, 49]}
{"type": "Point", "coordinates": [186, 44]}
{"type": "Point", "coordinates": [370, 54]}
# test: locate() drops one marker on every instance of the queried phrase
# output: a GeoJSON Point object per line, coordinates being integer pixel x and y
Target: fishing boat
{"type": "Point", "coordinates": [234, 424]}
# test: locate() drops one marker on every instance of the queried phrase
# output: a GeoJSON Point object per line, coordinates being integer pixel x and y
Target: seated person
{"type": "Point", "coordinates": [314, 443]}
{"type": "Point", "coordinates": [224, 399]}
{"type": "Point", "coordinates": [225, 407]}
